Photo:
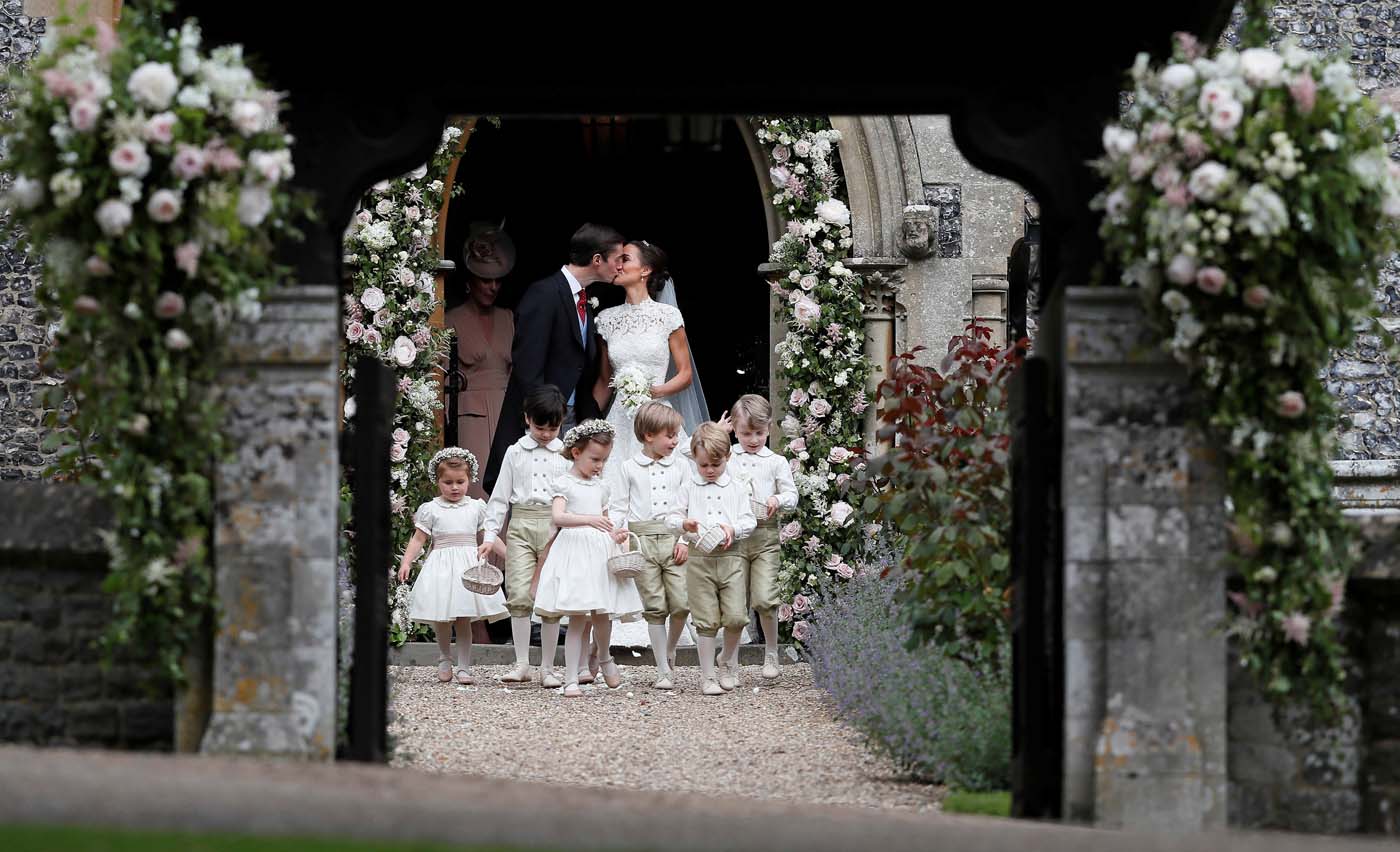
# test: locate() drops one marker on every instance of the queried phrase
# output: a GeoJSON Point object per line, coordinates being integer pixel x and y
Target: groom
{"type": "Point", "coordinates": [555, 341]}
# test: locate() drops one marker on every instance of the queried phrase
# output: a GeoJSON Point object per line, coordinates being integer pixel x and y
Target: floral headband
{"type": "Point", "coordinates": [587, 429]}
{"type": "Point", "coordinates": [453, 453]}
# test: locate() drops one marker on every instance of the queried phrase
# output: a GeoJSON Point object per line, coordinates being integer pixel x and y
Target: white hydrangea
{"type": "Point", "coordinates": [1265, 214]}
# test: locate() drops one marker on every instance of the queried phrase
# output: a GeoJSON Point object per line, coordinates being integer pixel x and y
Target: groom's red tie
{"type": "Point", "coordinates": [582, 310]}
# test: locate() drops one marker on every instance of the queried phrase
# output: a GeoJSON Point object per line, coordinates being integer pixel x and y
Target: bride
{"type": "Point", "coordinates": [645, 336]}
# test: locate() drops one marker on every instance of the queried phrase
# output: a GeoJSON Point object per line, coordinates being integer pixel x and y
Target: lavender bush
{"type": "Point", "coordinates": [942, 719]}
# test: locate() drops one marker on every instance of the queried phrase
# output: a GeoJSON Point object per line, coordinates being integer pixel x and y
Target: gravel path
{"type": "Point", "coordinates": [638, 737]}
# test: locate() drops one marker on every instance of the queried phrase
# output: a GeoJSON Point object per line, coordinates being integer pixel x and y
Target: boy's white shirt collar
{"type": "Point", "coordinates": [528, 442]}
{"type": "Point", "coordinates": [763, 451]}
{"type": "Point", "coordinates": [699, 479]}
{"type": "Point", "coordinates": [643, 459]}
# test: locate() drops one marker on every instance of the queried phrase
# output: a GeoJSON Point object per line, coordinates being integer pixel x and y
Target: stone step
{"type": "Point", "coordinates": [426, 654]}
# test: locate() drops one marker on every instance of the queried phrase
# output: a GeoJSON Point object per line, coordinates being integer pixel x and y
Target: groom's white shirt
{"type": "Point", "coordinates": [574, 289]}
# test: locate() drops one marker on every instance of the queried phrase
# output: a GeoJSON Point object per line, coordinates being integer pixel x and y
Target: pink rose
{"type": "Point", "coordinates": [1160, 132]}
{"type": "Point", "coordinates": [398, 453]}
{"type": "Point", "coordinates": [831, 562]}
{"type": "Point", "coordinates": [406, 277]}
{"type": "Point", "coordinates": [160, 128]}
{"type": "Point", "coordinates": [820, 408]}
{"type": "Point", "coordinates": [845, 571]}
{"type": "Point", "coordinates": [842, 479]}
{"type": "Point", "coordinates": [1194, 146]}
{"type": "Point", "coordinates": [1258, 297]}
{"type": "Point", "coordinates": [164, 206]}
{"type": "Point", "coordinates": [187, 258]}
{"type": "Point", "coordinates": [130, 158]}
{"type": "Point", "coordinates": [372, 337]}
{"type": "Point", "coordinates": [87, 306]}
{"type": "Point", "coordinates": [800, 631]}
{"type": "Point", "coordinates": [797, 446]}
{"type": "Point", "coordinates": [801, 604]}
{"type": "Point", "coordinates": [1211, 280]}
{"type": "Point", "coordinates": [59, 84]}
{"type": "Point", "coordinates": [400, 436]}
{"type": "Point", "coordinates": [1291, 404]}
{"type": "Point", "coordinates": [872, 530]}
{"type": "Point", "coordinates": [354, 332]}
{"type": "Point", "coordinates": [97, 267]}
{"type": "Point", "coordinates": [381, 317]}
{"type": "Point", "coordinates": [1304, 92]}
{"type": "Point", "coordinates": [1296, 627]}
{"type": "Point", "coordinates": [781, 154]}
{"type": "Point", "coordinates": [223, 158]}
{"type": "Point", "coordinates": [412, 214]}
{"type": "Point", "coordinates": [372, 298]}
{"type": "Point", "coordinates": [784, 612]}
{"type": "Point", "coordinates": [797, 398]}
{"type": "Point", "coordinates": [83, 113]}
{"type": "Point", "coordinates": [779, 175]}
{"type": "Point", "coordinates": [839, 455]}
{"type": "Point", "coordinates": [189, 162]}
{"type": "Point", "coordinates": [169, 305]}
{"type": "Point", "coordinates": [795, 465]}
{"type": "Point", "coordinates": [806, 311]}
{"type": "Point", "coordinates": [1177, 196]}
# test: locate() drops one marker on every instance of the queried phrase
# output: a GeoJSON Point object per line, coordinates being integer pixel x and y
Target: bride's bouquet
{"type": "Point", "coordinates": [633, 388]}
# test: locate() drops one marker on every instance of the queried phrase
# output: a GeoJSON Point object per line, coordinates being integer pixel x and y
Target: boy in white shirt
{"type": "Point", "coordinates": [523, 488]}
{"type": "Point", "coordinates": [645, 489]}
{"type": "Point", "coordinates": [714, 582]}
{"type": "Point", "coordinates": [769, 479]}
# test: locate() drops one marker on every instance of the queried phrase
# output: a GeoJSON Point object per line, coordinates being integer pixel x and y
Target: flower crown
{"type": "Point", "coordinates": [587, 429]}
{"type": "Point", "coordinates": [453, 453]}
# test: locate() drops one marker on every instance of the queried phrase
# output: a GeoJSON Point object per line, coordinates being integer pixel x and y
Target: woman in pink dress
{"type": "Point", "coordinates": [484, 336]}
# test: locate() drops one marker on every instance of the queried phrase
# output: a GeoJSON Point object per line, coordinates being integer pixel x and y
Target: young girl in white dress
{"type": "Point", "coordinates": [451, 521]}
{"type": "Point", "coordinates": [574, 580]}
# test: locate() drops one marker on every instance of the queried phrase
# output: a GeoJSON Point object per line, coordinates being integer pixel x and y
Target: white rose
{"type": "Point", "coordinates": [177, 340]}
{"type": "Point", "coordinates": [130, 158]}
{"type": "Point", "coordinates": [349, 408]}
{"type": "Point", "coordinates": [1337, 79]}
{"type": "Point", "coordinates": [1207, 180]}
{"type": "Point", "coordinates": [27, 192]}
{"type": "Point", "coordinates": [372, 298]}
{"type": "Point", "coordinates": [194, 97]}
{"type": "Point", "coordinates": [113, 217]}
{"type": "Point", "coordinates": [271, 166]}
{"type": "Point", "coordinates": [840, 513]}
{"type": "Point", "coordinates": [1261, 66]}
{"type": "Point", "coordinates": [153, 84]}
{"type": "Point", "coordinates": [834, 211]}
{"type": "Point", "coordinates": [254, 203]}
{"type": "Point", "coordinates": [1182, 270]}
{"type": "Point", "coordinates": [164, 206]}
{"type": "Point", "coordinates": [1118, 141]}
{"type": "Point", "coordinates": [65, 187]}
{"type": "Point", "coordinates": [419, 173]}
{"type": "Point", "coordinates": [1178, 76]}
{"type": "Point", "coordinates": [248, 117]}
{"type": "Point", "coordinates": [806, 311]}
{"type": "Point", "coordinates": [1227, 116]}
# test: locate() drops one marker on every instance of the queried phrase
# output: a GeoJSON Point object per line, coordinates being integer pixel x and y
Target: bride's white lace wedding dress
{"type": "Point", "coordinates": [639, 339]}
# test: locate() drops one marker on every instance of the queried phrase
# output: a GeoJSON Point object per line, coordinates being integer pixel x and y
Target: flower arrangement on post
{"type": "Point", "coordinates": [821, 361]}
{"type": "Point", "coordinates": [151, 174]}
{"type": "Point", "coordinates": [1250, 196]}
{"type": "Point", "coordinates": [391, 297]}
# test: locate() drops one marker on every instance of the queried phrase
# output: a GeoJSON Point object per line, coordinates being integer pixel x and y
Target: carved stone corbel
{"type": "Point", "coordinates": [918, 231]}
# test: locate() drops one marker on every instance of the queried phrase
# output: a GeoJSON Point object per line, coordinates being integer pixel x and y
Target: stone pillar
{"type": "Point", "coordinates": [881, 315]}
{"type": "Point", "coordinates": [989, 305]}
{"type": "Point", "coordinates": [276, 533]}
{"type": "Point", "coordinates": [1145, 660]}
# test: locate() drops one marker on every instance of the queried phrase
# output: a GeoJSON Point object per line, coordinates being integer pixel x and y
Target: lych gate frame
{"type": "Point", "coordinates": [277, 534]}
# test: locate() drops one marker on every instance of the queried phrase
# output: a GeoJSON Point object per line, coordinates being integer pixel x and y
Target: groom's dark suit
{"type": "Point", "coordinates": [548, 349]}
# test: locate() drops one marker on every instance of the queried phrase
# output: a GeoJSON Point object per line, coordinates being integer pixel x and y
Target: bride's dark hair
{"type": "Point", "coordinates": [653, 257]}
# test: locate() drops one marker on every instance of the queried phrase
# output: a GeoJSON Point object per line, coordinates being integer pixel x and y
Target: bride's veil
{"type": "Point", "coordinates": [690, 402]}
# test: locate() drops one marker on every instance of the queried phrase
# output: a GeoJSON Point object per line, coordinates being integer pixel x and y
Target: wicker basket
{"type": "Point", "coordinates": [760, 508]}
{"type": "Point", "coordinates": [482, 578]}
{"type": "Point", "coordinates": [627, 563]}
{"type": "Point", "coordinates": [710, 539]}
